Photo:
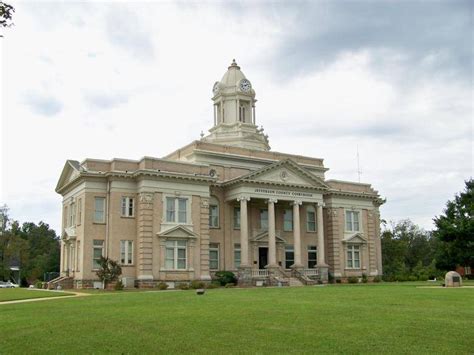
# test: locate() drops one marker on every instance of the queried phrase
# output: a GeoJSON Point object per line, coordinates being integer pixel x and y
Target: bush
{"type": "Point", "coordinates": [352, 280]}
{"type": "Point", "coordinates": [412, 278]}
{"type": "Point", "coordinates": [118, 286]}
{"type": "Point", "coordinates": [377, 279]}
{"type": "Point", "coordinates": [365, 279]}
{"type": "Point", "coordinates": [331, 278]}
{"type": "Point", "coordinates": [338, 281]}
{"type": "Point", "coordinates": [225, 277]}
{"type": "Point", "coordinates": [39, 284]}
{"type": "Point", "coordinates": [197, 284]}
{"type": "Point", "coordinates": [162, 286]}
{"type": "Point", "coordinates": [213, 285]}
{"type": "Point", "coordinates": [230, 285]}
{"type": "Point", "coordinates": [183, 286]}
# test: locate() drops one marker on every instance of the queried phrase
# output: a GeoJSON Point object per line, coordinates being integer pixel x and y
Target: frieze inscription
{"type": "Point", "coordinates": [284, 193]}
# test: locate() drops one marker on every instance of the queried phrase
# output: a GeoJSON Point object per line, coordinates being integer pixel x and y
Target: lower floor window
{"type": "Point", "coordinates": [126, 252]}
{"type": "Point", "coordinates": [289, 256]}
{"type": "Point", "coordinates": [175, 255]}
{"type": "Point", "coordinates": [312, 256]}
{"type": "Point", "coordinates": [97, 253]}
{"type": "Point", "coordinates": [214, 256]}
{"type": "Point", "coordinates": [353, 257]}
{"type": "Point", "coordinates": [237, 255]}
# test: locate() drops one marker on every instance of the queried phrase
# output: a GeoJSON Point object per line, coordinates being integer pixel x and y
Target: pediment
{"type": "Point", "coordinates": [70, 172]}
{"type": "Point", "coordinates": [263, 237]}
{"type": "Point", "coordinates": [178, 232]}
{"type": "Point", "coordinates": [357, 238]}
{"type": "Point", "coordinates": [284, 172]}
{"type": "Point", "coordinates": [69, 233]}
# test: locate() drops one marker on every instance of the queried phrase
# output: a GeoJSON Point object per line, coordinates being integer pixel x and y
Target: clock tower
{"type": "Point", "coordinates": [234, 112]}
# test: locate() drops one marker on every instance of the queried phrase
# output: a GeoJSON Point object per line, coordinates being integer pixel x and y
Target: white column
{"type": "Point", "coordinates": [253, 114]}
{"type": "Point", "coordinates": [244, 232]}
{"type": "Point", "coordinates": [321, 260]}
{"type": "Point", "coordinates": [215, 115]}
{"type": "Point", "coordinates": [271, 233]}
{"type": "Point", "coordinates": [297, 233]}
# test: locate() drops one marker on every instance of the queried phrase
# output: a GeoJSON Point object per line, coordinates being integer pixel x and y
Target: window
{"type": "Point", "coordinates": [289, 256]}
{"type": "Point", "coordinates": [78, 243]}
{"type": "Point", "coordinates": [174, 205]}
{"type": "Point", "coordinates": [288, 221]}
{"type": "Point", "coordinates": [65, 217]}
{"type": "Point", "coordinates": [312, 256]}
{"type": "Point", "coordinates": [310, 219]}
{"type": "Point", "coordinates": [242, 113]}
{"type": "Point", "coordinates": [214, 213]}
{"type": "Point", "coordinates": [127, 207]}
{"type": "Point", "coordinates": [175, 255]}
{"type": "Point", "coordinates": [236, 217]}
{"type": "Point", "coordinates": [353, 257]}
{"type": "Point", "coordinates": [98, 251]}
{"type": "Point", "coordinates": [72, 215]}
{"type": "Point", "coordinates": [237, 255]}
{"type": "Point", "coordinates": [126, 252]}
{"type": "Point", "coordinates": [352, 221]}
{"type": "Point", "coordinates": [264, 219]}
{"type": "Point", "coordinates": [79, 211]}
{"type": "Point", "coordinates": [99, 210]}
{"type": "Point", "coordinates": [214, 256]}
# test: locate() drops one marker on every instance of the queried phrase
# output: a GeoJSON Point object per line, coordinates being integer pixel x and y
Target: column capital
{"type": "Point", "coordinates": [272, 200]}
{"type": "Point", "coordinates": [321, 204]}
{"type": "Point", "coordinates": [243, 198]}
{"type": "Point", "coordinates": [297, 202]}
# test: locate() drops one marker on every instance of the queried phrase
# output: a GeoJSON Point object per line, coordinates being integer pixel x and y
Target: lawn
{"type": "Point", "coordinates": [13, 294]}
{"type": "Point", "coordinates": [331, 319]}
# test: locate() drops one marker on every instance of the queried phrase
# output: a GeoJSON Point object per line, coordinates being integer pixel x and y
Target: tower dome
{"type": "Point", "coordinates": [234, 112]}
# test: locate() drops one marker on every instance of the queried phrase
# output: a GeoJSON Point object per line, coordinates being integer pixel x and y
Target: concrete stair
{"type": "Point", "coordinates": [294, 282]}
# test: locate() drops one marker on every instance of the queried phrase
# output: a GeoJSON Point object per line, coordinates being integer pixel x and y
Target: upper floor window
{"type": "Point", "coordinates": [288, 221]}
{"type": "Point", "coordinates": [214, 256]}
{"type": "Point", "coordinates": [72, 215]}
{"type": "Point", "coordinates": [264, 219]}
{"type": "Point", "coordinates": [353, 257]}
{"type": "Point", "coordinates": [176, 210]}
{"type": "Point", "coordinates": [214, 213]}
{"type": "Point", "coordinates": [310, 219]}
{"type": "Point", "coordinates": [99, 209]}
{"type": "Point", "coordinates": [352, 221]}
{"type": "Point", "coordinates": [312, 256]}
{"type": "Point", "coordinates": [126, 252]}
{"type": "Point", "coordinates": [236, 217]}
{"type": "Point", "coordinates": [175, 255]}
{"type": "Point", "coordinates": [128, 206]}
{"type": "Point", "coordinates": [97, 253]}
{"type": "Point", "coordinates": [79, 211]}
{"type": "Point", "coordinates": [242, 113]}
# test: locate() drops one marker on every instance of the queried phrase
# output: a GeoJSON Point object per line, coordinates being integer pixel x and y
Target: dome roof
{"type": "Point", "coordinates": [233, 75]}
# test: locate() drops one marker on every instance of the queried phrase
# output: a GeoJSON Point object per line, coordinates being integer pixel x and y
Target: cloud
{"type": "Point", "coordinates": [43, 105]}
{"type": "Point", "coordinates": [105, 100]}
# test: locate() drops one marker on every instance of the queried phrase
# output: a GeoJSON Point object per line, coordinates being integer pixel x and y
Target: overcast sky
{"type": "Point", "coordinates": [109, 79]}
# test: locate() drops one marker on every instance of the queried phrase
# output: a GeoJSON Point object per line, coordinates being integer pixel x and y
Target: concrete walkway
{"type": "Point", "coordinates": [73, 294]}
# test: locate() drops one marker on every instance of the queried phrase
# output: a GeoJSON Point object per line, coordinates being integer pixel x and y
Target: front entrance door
{"type": "Point", "coordinates": [262, 257]}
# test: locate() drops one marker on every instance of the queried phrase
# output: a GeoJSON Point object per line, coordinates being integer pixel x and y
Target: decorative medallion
{"type": "Point", "coordinates": [284, 175]}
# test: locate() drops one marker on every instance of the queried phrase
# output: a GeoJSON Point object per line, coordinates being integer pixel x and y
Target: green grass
{"type": "Point", "coordinates": [333, 319]}
{"type": "Point", "coordinates": [13, 294]}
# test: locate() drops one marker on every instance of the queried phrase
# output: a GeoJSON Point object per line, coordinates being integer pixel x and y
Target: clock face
{"type": "Point", "coordinates": [215, 88]}
{"type": "Point", "coordinates": [245, 85]}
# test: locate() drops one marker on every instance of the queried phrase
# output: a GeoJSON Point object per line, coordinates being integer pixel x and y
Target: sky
{"type": "Point", "coordinates": [391, 80]}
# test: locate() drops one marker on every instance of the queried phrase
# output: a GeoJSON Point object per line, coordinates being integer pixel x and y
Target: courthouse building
{"type": "Point", "coordinates": [224, 202]}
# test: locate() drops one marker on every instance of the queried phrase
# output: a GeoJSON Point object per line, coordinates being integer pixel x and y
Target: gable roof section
{"type": "Point", "coordinates": [357, 238]}
{"type": "Point", "coordinates": [71, 171]}
{"type": "Point", "coordinates": [263, 237]}
{"type": "Point", "coordinates": [269, 175]}
{"type": "Point", "coordinates": [179, 232]}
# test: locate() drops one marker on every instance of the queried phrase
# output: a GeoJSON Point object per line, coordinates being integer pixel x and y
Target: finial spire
{"type": "Point", "coordinates": [234, 64]}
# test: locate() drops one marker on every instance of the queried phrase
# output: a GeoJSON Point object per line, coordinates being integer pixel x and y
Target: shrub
{"type": "Point", "coordinates": [39, 284]}
{"type": "Point", "coordinates": [197, 284]}
{"type": "Point", "coordinates": [162, 286]}
{"type": "Point", "coordinates": [213, 285]}
{"type": "Point", "coordinates": [365, 279]}
{"type": "Point", "coordinates": [352, 280]}
{"type": "Point", "coordinates": [412, 278]}
{"type": "Point", "coordinates": [377, 279]}
{"type": "Point", "coordinates": [183, 286]}
{"type": "Point", "coordinates": [226, 277]}
{"type": "Point", "coordinates": [331, 278]}
{"type": "Point", "coordinates": [118, 286]}
{"type": "Point", "coordinates": [338, 281]}
{"type": "Point", "coordinates": [230, 285]}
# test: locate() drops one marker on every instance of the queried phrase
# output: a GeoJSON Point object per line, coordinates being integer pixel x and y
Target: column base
{"type": "Point", "coordinates": [323, 272]}
{"type": "Point", "coordinates": [244, 275]}
{"type": "Point", "coordinates": [297, 267]}
{"type": "Point", "coordinates": [206, 278]}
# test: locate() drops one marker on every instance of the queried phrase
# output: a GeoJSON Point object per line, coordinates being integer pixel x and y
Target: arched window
{"type": "Point", "coordinates": [214, 212]}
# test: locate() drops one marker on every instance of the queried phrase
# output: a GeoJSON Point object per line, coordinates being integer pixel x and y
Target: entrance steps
{"type": "Point", "coordinates": [294, 282]}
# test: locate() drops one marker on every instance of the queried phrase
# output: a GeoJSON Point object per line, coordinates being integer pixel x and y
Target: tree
{"type": "Point", "coordinates": [6, 15]}
{"type": "Point", "coordinates": [455, 230]}
{"type": "Point", "coordinates": [109, 270]}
